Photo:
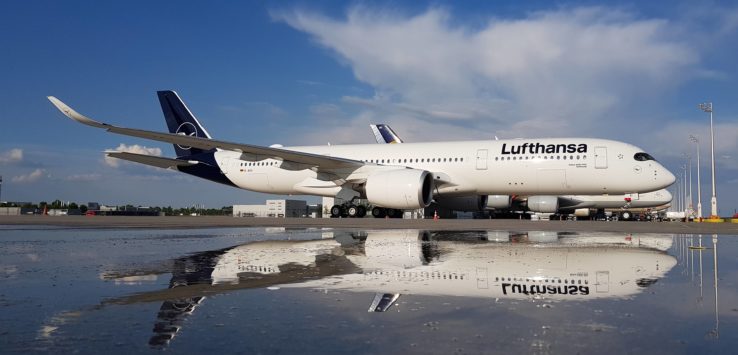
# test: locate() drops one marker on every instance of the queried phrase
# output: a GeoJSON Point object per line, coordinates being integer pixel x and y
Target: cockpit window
{"type": "Point", "coordinates": [643, 157]}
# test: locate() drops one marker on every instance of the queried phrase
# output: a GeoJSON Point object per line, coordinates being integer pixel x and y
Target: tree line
{"type": "Point", "coordinates": [82, 207]}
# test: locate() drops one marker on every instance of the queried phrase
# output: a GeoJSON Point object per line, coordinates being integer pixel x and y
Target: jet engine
{"type": "Point", "coordinates": [499, 202]}
{"type": "Point", "coordinates": [400, 189]}
{"type": "Point", "coordinates": [543, 204]}
{"type": "Point", "coordinates": [463, 203]}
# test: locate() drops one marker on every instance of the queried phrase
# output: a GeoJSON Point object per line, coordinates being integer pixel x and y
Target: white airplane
{"type": "Point", "coordinates": [565, 204]}
{"type": "Point", "coordinates": [397, 176]}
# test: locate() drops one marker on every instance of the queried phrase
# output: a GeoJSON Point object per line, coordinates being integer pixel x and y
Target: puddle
{"type": "Point", "coordinates": [310, 290]}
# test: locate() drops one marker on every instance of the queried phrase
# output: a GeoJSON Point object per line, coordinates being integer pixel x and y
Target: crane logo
{"type": "Point", "coordinates": [186, 129]}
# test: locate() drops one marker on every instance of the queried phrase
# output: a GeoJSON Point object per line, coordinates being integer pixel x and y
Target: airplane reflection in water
{"type": "Point", "coordinates": [535, 265]}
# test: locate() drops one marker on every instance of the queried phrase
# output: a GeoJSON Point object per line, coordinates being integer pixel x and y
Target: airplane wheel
{"type": "Point", "coordinates": [361, 212]}
{"type": "Point", "coordinates": [353, 211]}
{"type": "Point", "coordinates": [336, 211]}
{"type": "Point", "coordinates": [625, 216]}
{"type": "Point", "coordinates": [393, 213]}
{"type": "Point", "coordinates": [378, 212]}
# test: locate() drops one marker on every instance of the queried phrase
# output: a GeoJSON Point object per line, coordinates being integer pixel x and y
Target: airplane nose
{"type": "Point", "coordinates": [666, 177]}
{"type": "Point", "coordinates": [666, 196]}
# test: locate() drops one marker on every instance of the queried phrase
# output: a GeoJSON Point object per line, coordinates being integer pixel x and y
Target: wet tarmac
{"type": "Point", "coordinates": [277, 290]}
{"type": "Point", "coordinates": [185, 222]}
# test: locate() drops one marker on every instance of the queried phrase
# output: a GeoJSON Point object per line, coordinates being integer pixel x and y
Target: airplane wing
{"type": "Point", "coordinates": [316, 160]}
{"type": "Point", "coordinates": [159, 162]}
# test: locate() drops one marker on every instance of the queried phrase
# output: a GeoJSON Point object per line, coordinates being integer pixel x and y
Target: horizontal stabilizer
{"type": "Point", "coordinates": [159, 162]}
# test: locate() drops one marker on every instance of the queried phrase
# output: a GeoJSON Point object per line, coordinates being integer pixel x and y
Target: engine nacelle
{"type": "Point", "coordinates": [400, 189]}
{"type": "Point", "coordinates": [543, 204]}
{"type": "Point", "coordinates": [463, 203]}
{"type": "Point", "coordinates": [499, 202]}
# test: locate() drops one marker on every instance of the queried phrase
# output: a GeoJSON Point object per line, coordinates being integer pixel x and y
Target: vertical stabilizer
{"type": "Point", "coordinates": [181, 121]}
{"type": "Point", "coordinates": [384, 134]}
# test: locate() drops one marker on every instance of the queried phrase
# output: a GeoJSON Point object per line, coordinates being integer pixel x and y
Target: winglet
{"type": "Point", "coordinates": [69, 112]}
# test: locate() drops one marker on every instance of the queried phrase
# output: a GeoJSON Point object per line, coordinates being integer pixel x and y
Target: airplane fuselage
{"type": "Point", "coordinates": [546, 166]}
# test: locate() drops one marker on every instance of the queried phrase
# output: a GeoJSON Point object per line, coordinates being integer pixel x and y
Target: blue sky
{"type": "Point", "coordinates": [317, 72]}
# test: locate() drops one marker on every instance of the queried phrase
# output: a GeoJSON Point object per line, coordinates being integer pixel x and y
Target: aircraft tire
{"type": "Point", "coordinates": [336, 211]}
{"type": "Point", "coordinates": [352, 211]}
{"type": "Point", "coordinates": [378, 212]}
{"type": "Point", "coordinates": [394, 213]}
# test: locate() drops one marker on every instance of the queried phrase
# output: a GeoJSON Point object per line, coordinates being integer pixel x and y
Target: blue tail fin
{"type": "Point", "coordinates": [384, 134]}
{"type": "Point", "coordinates": [181, 121]}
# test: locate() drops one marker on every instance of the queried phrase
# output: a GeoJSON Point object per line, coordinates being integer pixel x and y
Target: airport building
{"type": "Point", "coordinates": [10, 211]}
{"type": "Point", "coordinates": [274, 209]}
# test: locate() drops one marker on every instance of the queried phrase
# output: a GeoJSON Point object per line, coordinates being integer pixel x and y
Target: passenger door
{"type": "Point", "coordinates": [481, 159]}
{"type": "Point", "coordinates": [600, 157]}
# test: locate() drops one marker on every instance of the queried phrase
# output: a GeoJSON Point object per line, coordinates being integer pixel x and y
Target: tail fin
{"type": "Point", "coordinates": [181, 121]}
{"type": "Point", "coordinates": [384, 134]}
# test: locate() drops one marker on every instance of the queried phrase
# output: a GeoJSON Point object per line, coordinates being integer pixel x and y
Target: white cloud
{"type": "Point", "coordinates": [550, 73]}
{"type": "Point", "coordinates": [138, 149]}
{"type": "Point", "coordinates": [31, 177]}
{"type": "Point", "coordinates": [83, 177]}
{"type": "Point", "coordinates": [12, 156]}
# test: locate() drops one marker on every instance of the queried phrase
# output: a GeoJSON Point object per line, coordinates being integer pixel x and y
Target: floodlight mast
{"type": "Point", "coordinates": [707, 107]}
{"type": "Point", "coordinates": [699, 184]}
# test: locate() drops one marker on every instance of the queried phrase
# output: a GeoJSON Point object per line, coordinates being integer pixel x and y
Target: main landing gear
{"type": "Point", "coordinates": [352, 211]}
{"type": "Point", "coordinates": [380, 212]}
{"type": "Point", "coordinates": [359, 211]}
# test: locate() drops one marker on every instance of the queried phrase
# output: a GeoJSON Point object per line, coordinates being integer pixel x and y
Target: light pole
{"type": "Point", "coordinates": [707, 107]}
{"type": "Point", "coordinates": [699, 186]}
{"type": "Point", "coordinates": [678, 193]}
{"type": "Point", "coordinates": [691, 205]}
{"type": "Point", "coordinates": [684, 192]}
